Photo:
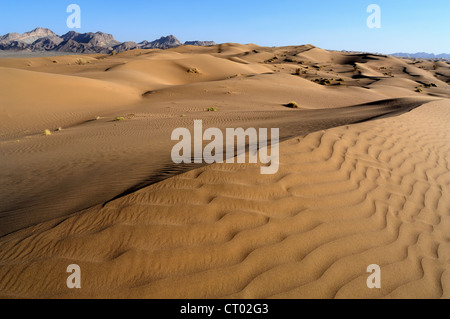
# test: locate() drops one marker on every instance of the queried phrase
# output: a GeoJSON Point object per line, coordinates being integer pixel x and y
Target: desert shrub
{"type": "Point", "coordinates": [119, 118]}
{"type": "Point", "coordinates": [193, 70]}
{"type": "Point", "coordinates": [211, 109]}
{"type": "Point", "coordinates": [322, 81]}
{"type": "Point", "coordinates": [81, 61]}
{"type": "Point", "coordinates": [271, 60]}
{"type": "Point", "coordinates": [47, 132]}
{"type": "Point", "coordinates": [292, 105]}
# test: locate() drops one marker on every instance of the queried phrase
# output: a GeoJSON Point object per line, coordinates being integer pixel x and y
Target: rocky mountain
{"type": "Point", "coordinates": [41, 39]}
{"type": "Point", "coordinates": [162, 43]}
{"type": "Point", "coordinates": [200, 43]}
{"type": "Point", "coordinates": [29, 37]}
{"type": "Point", "coordinates": [9, 37]}
{"type": "Point", "coordinates": [423, 55]}
{"type": "Point", "coordinates": [126, 46]}
{"type": "Point", "coordinates": [98, 39]}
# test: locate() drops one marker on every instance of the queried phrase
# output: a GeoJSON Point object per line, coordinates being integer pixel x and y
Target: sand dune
{"type": "Point", "coordinates": [364, 175]}
{"type": "Point", "coordinates": [33, 101]}
{"type": "Point", "coordinates": [344, 198]}
{"type": "Point", "coordinates": [79, 154]}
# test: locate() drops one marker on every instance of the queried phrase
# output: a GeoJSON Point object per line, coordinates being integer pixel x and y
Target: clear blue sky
{"type": "Point", "coordinates": [407, 26]}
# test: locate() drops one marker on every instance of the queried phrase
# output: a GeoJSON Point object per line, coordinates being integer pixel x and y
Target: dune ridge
{"type": "Point", "coordinates": [96, 163]}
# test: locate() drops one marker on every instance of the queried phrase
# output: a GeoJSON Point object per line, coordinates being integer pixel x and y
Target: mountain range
{"type": "Point", "coordinates": [423, 55]}
{"type": "Point", "coordinates": [42, 39]}
{"type": "Point", "coordinates": [45, 40]}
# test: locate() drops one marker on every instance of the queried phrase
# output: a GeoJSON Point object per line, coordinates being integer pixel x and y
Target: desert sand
{"type": "Point", "coordinates": [364, 175]}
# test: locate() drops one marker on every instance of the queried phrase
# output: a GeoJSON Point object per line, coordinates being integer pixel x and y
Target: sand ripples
{"type": "Point", "coordinates": [344, 198]}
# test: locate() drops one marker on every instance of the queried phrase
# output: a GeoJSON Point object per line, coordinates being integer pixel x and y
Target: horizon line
{"type": "Point", "coordinates": [231, 42]}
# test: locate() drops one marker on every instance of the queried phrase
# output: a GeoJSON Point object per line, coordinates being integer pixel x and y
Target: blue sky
{"type": "Point", "coordinates": [406, 26]}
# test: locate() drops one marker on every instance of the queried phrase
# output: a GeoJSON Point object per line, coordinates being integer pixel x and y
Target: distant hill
{"type": "Point", "coordinates": [42, 39]}
{"type": "Point", "coordinates": [200, 43]}
{"type": "Point", "coordinates": [423, 55]}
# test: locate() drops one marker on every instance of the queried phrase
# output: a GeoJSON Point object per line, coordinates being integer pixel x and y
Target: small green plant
{"type": "Point", "coordinates": [119, 118]}
{"type": "Point", "coordinates": [419, 90]}
{"type": "Point", "coordinates": [211, 109]}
